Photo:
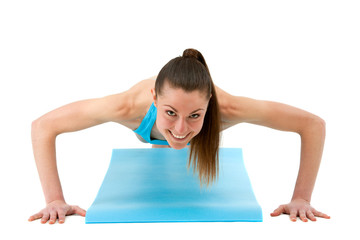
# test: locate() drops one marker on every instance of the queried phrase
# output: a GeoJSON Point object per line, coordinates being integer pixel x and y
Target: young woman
{"type": "Point", "coordinates": [180, 107]}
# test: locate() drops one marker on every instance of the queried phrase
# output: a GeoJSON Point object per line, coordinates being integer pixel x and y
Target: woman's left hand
{"type": "Point", "coordinates": [301, 208]}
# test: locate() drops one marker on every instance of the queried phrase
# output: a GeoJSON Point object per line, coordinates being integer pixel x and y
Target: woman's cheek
{"type": "Point", "coordinates": [163, 124]}
{"type": "Point", "coordinates": [198, 125]}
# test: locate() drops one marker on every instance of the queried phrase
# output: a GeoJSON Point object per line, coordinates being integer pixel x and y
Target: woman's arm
{"type": "Point", "coordinates": [72, 117]}
{"type": "Point", "coordinates": [311, 129]}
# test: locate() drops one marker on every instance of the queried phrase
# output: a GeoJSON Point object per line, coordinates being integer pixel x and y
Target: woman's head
{"type": "Point", "coordinates": [188, 110]}
{"type": "Point", "coordinates": [180, 114]}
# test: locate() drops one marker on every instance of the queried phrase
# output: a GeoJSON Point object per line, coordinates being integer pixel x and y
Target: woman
{"type": "Point", "coordinates": [180, 107]}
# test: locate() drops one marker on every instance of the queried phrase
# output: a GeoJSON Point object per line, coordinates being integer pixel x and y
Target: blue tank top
{"type": "Point", "coordinates": [144, 130]}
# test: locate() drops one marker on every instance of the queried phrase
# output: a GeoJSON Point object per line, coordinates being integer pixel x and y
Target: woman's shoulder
{"type": "Point", "coordinates": [134, 103]}
{"type": "Point", "coordinates": [140, 94]}
{"type": "Point", "coordinates": [144, 86]}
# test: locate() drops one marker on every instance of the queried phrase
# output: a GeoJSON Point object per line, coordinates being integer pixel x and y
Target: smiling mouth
{"type": "Point", "coordinates": [177, 137]}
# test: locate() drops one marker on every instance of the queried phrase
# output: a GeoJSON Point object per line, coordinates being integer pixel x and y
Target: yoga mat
{"type": "Point", "coordinates": [154, 185]}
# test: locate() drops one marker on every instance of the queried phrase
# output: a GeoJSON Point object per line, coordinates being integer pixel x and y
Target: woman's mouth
{"type": "Point", "coordinates": [178, 137]}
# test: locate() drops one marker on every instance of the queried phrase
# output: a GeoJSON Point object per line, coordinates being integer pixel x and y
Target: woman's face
{"type": "Point", "coordinates": [180, 115]}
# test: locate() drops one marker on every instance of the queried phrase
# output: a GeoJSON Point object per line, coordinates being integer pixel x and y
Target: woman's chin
{"type": "Point", "coordinates": [177, 147]}
{"type": "Point", "coordinates": [178, 144]}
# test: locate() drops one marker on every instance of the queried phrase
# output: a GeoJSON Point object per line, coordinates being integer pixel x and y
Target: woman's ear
{"type": "Point", "coordinates": [154, 95]}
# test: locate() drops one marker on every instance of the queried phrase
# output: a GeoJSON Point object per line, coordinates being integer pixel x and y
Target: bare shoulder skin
{"type": "Point", "coordinates": [138, 103]}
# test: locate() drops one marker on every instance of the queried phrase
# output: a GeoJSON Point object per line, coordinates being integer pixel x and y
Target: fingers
{"type": "Point", "coordinates": [80, 211]}
{"type": "Point", "coordinates": [305, 215]}
{"type": "Point", "coordinates": [50, 216]}
{"type": "Point", "coordinates": [45, 217]}
{"type": "Point", "coordinates": [59, 211]}
{"type": "Point", "coordinates": [320, 214]}
{"type": "Point", "coordinates": [77, 210]}
{"type": "Point", "coordinates": [61, 215]}
{"type": "Point", "coordinates": [278, 211]}
{"type": "Point", "coordinates": [35, 216]}
{"type": "Point", "coordinates": [53, 217]}
{"type": "Point", "coordinates": [293, 215]}
{"type": "Point", "coordinates": [299, 208]}
{"type": "Point", "coordinates": [310, 215]}
{"type": "Point", "coordinates": [302, 215]}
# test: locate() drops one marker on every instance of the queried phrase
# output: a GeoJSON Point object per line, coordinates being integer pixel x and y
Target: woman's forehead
{"type": "Point", "coordinates": [179, 96]}
{"type": "Point", "coordinates": [169, 91]}
{"type": "Point", "coordinates": [182, 101]}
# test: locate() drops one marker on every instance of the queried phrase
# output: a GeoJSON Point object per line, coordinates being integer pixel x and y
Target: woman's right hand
{"type": "Point", "coordinates": [57, 209]}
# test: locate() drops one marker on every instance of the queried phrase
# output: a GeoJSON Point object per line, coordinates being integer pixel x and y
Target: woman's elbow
{"type": "Point", "coordinates": [320, 124]}
{"type": "Point", "coordinates": [315, 124]}
{"type": "Point", "coordinates": [41, 127]}
{"type": "Point", "coordinates": [35, 125]}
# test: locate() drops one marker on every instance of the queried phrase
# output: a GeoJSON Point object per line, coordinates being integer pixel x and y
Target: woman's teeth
{"type": "Point", "coordinates": [180, 137]}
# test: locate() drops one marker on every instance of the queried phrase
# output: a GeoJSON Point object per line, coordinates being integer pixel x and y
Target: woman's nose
{"type": "Point", "coordinates": [180, 126]}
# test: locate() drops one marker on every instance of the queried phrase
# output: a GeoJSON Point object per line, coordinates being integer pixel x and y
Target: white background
{"type": "Point", "coordinates": [302, 53]}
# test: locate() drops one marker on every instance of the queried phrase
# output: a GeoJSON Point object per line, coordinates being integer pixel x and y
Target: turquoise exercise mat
{"type": "Point", "coordinates": [154, 185]}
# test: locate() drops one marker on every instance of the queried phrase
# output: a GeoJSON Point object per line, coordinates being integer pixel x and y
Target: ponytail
{"type": "Point", "coordinates": [190, 72]}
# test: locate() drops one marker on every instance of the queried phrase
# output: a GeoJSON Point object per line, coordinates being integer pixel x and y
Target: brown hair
{"type": "Point", "coordinates": [190, 72]}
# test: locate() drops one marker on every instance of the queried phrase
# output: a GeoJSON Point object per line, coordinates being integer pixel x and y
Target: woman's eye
{"type": "Point", "coordinates": [170, 113]}
{"type": "Point", "coordinates": [195, 116]}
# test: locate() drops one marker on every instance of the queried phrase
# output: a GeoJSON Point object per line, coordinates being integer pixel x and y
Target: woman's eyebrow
{"type": "Point", "coordinates": [190, 113]}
